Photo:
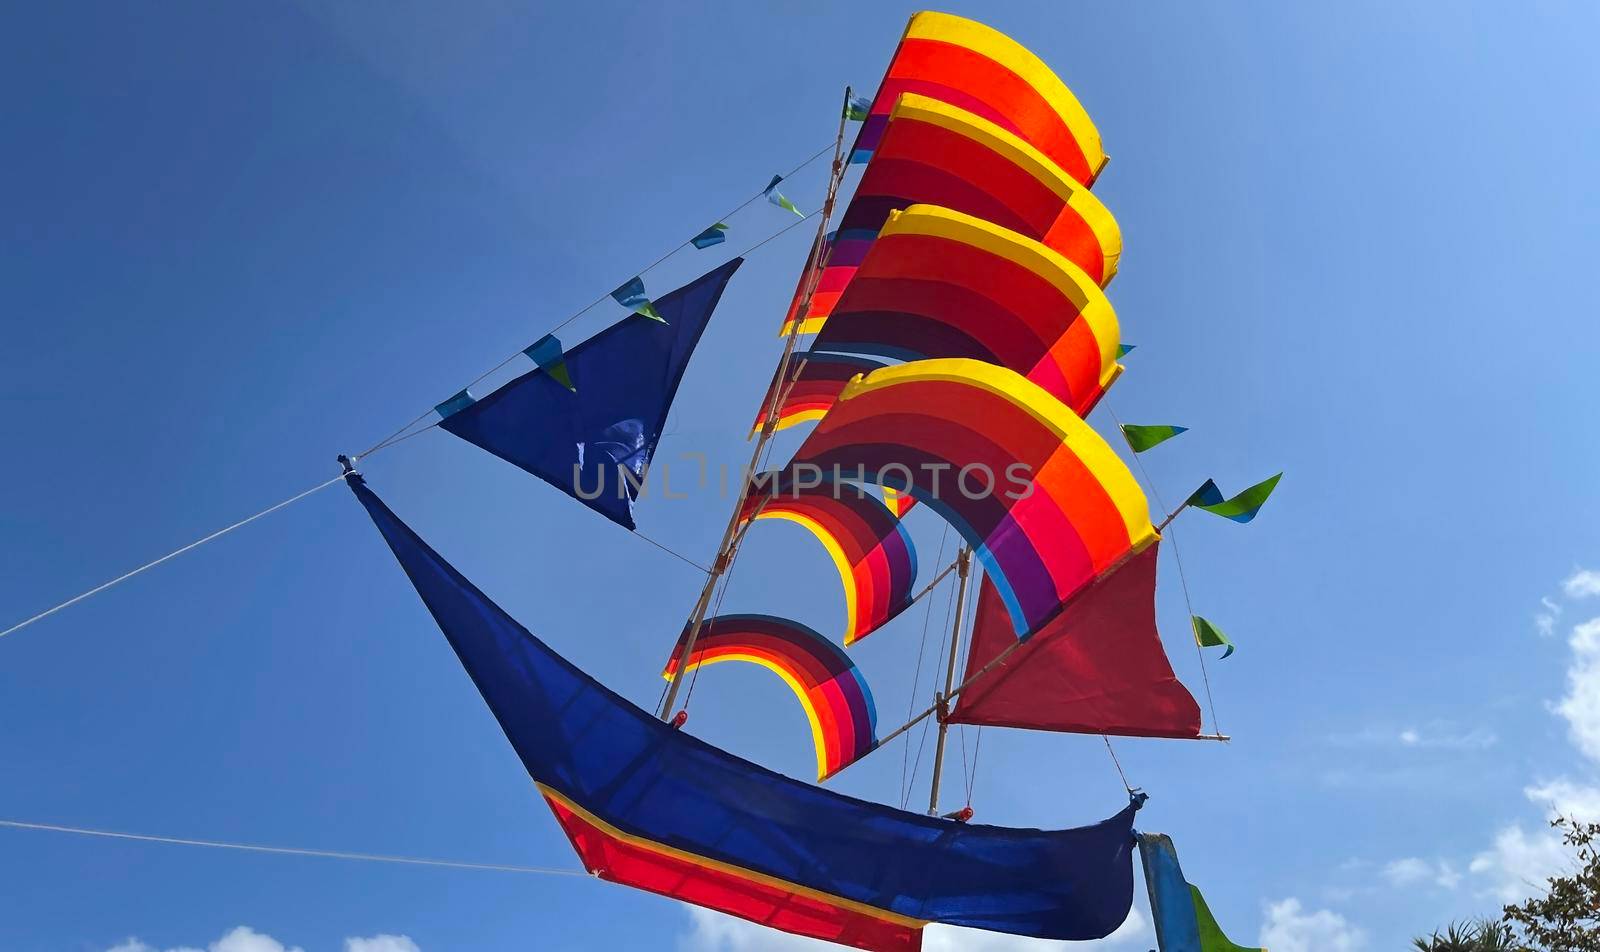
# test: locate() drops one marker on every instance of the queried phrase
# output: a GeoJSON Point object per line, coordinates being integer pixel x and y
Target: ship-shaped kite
{"type": "Point", "coordinates": [948, 336]}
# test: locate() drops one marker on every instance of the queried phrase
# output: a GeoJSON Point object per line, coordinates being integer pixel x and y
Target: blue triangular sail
{"type": "Point", "coordinates": [645, 780]}
{"type": "Point", "coordinates": [594, 441]}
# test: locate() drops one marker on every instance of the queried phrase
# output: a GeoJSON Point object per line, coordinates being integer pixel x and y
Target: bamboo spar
{"type": "Point", "coordinates": [964, 572]}
{"type": "Point", "coordinates": [728, 547]}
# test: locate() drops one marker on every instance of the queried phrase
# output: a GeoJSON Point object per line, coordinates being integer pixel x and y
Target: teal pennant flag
{"type": "Point", "coordinates": [455, 405]}
{"type": "Point", "coordinates": [1141, 438]}
{"type": "Point", "coordinates": [776, 197]}
{"type": "Point", "coordinates": [715, 235]}
{"type": "Point", "coordinates": [546, 352]}
{"type": "Point", "coordinates": [1124, 350]}
{"type": "Point", "coordinates": [857, 108]}
{"type": "Point", "coordinates": [1207, 635]}
{"type": "Point", "coordinates": [1241, 508]}
{"type": "Point", "coordinates": [631, 295]}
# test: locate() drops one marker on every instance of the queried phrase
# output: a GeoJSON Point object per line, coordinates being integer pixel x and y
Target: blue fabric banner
{"type": "Point", "coordinates": [650, 780]}
{"type": "Point", "coordinates": [1182, 920]}
{"type": "Point", "coordinates": [594, 441]}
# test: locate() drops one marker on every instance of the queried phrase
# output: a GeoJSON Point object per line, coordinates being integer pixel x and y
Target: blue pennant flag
{"type": "Point", "coordinates": [715, 235]}
{"type": "Point", "coordinates": [546, 352]}
{"type": "Point", "coordinates": [857, 109]}
{"type": "Point", "coordinates": [631, 295]}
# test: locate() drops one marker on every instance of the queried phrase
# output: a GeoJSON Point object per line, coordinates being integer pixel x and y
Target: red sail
{"type": "Point", "coordinates": [1097, 668]}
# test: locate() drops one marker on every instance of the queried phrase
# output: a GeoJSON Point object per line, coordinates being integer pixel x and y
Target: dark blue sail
{"type": "Point", "coordinates": [592, 436]}
{"type": "Point", "coordinates": [650, 806]}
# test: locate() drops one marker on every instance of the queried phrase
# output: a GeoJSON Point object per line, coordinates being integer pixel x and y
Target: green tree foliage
{"type": "Point", "coordinates": [1482, 936]}
{"type": "Point", "coordinates": [1567, 917]}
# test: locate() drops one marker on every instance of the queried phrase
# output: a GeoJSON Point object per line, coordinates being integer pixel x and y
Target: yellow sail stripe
{"type": "Point", "coordinates": [944, 27]}
{"type": "Point", "coordinates": [794, 685]}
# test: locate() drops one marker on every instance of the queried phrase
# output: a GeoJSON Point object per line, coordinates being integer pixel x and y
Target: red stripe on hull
{"type": "Point", "coordinates": [632, 864]}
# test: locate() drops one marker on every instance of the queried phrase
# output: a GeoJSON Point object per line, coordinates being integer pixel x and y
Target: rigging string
{"type": "Point", "coordinates": [1118, 764]}
{"type": "Point", "coordinates": [916, 678]}
{"type": "Point", "coordinates": [292, 851]}
{"type": "Point", "coordinates": [401, 435]}
{"type": "Point", "coordinates": [916, 765]}
{"type": "Point", "coordinates": [397, 436]}
{"type": "Point", "coordinates": [969, 775]}
{"type": "Point", "coordinates": [170, 555]}
{"type": "Point", "coordinates": [977, 749]}
{"type": "Point", "coordinates": [1183, 581]}
{"type": "Point", "coordinates": [728, 549]}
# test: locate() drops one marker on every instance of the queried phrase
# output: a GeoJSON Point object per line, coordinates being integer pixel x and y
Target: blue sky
{"type": "Point", "coordinates": [241, 239]}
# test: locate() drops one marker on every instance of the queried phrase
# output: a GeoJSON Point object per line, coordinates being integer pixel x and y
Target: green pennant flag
{"type": "Point", "coordinates": [1241, 508]}
{"type": "Point", "coordinates": [1124, 350]}
{"type": "Point", "coordinates": [857, 108]}
{"type": "Point", "coordinates": [1207, 635]}
{"type": "Point", "coordinates": [631, 295]}
{"type": "Point", "coordinates": [777, 198]}
{"type": "Point", "coordinates": [546, 352]}
{"type": "Point", "coordinates": [1141, 438]}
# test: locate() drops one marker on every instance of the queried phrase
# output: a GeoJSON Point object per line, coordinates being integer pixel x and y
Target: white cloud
{"type": "Point", "coordinates": [714, 932]}
{"type": "Point", "coordinates": [1582, 583]}
{"type": "Point", "coordinates": [381, 943]}
{"type": "Point", "coordinates": [1412, 871]}
{"type": "Point", "coordinates": [1564, 798]}
{"type": "Point", "coordinates": [1408, 871]}
{"type": "Point", "coordinates": [1518, 863]}
{"type": "Point", "coordinates": [246, 939]}
{"type": "Point", "coordinates": [1435, 735]}
{"type": "Point", "coordinates": [1546, 620]}
{"type": "Point", "coordinates": [1581, 705]}
{"type": "Point", "coordinates": [1288, 927]}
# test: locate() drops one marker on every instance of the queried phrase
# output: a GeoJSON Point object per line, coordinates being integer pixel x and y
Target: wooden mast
{"type": "Point", "coordinates": [942, 702]}
{"type": "Point", "coordinates": [729, 545]}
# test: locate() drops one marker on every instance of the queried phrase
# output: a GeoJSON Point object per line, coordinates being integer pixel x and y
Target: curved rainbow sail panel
{"type": "Point", "coordinates": [938, 283]}
{"type": "Point", "coordinates": [1098, 667]}
{"type": "Point", "coordinates": [812, 388]}
{"type": "Point", "coordinates": [653, 807]}
{"type": "Point", "coordinates": [1045, 503]}
{"type": "Point", "coordinates": [936, 154]}
{"type": "Point", "coordinates": [833, 693]}
{"type": "Point", "coordinates": [872, 551]}
{"type": "Point", "coordinates": [979, 69]}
